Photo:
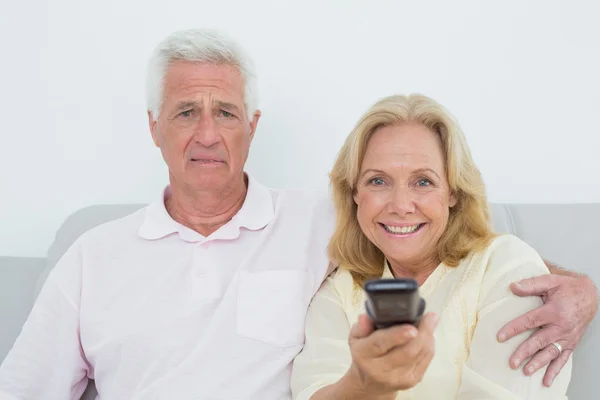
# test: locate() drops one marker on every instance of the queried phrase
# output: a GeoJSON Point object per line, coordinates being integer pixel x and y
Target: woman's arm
{"type": "Point", "coordinates": [325, 357]}
{"type": "Point", "coordinates": [570, 304]}
{"type": "Point", "coordinates": [322, 370]}
{"type": "Point", "coordinates": [358, 362]}
{"type": "Point", "coordinates": [487, 373]}
{"type": "Point", "coordinates": [346, 389]}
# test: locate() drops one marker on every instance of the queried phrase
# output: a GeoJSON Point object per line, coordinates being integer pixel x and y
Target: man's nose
{"type": "Point", "coordinates": [206, 132]}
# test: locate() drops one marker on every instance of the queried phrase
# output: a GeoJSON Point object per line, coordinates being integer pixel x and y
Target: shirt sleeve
{"type": "Point", "coordinates": [325, 357]}
{"type": "Point", "coordinates": [47, 361]}
{"type": "Point", "coordinates": [487, 374]}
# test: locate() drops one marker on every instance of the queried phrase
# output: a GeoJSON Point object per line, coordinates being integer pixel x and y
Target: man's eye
{"type": "Point", "coordinates": [186, 113]}
{"type": "Point", "coordinates": [226, 114]}
{"type": "Point", "coordinates": [376, 181]}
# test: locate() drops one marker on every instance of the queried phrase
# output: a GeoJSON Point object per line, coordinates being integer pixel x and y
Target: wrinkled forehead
{"type": "Point", "coordinates": [185, 78]}
{"type": "Point", "coordinates": [404, 146]}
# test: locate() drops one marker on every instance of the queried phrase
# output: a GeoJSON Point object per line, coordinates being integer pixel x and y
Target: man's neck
{"type": "Point", "coordinates": [203, 211]}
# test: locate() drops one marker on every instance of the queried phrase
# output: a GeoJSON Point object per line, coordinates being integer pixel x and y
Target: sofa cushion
{"type": "Point", "coordinates": [18, 278]}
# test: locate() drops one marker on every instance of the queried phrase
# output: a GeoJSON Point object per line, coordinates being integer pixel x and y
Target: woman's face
{"type": "Point", "coordinates": [402, 194]}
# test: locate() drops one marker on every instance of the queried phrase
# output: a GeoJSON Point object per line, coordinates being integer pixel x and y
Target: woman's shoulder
{"type": "Point", "coordinates": [341, 283]}
{"type": "Point", "coordinates": [510, 248]}
{"type": "Point", "coordinates": [509, 257]}
{"type": "Point", "coordinates": [507, 242]}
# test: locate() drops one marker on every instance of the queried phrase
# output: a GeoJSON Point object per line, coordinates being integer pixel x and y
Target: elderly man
{"type": "Point", "coordinates": [203, 293]}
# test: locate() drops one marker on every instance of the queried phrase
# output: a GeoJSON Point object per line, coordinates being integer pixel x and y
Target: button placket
{"type": "Point", "coordinates": [205, 282]}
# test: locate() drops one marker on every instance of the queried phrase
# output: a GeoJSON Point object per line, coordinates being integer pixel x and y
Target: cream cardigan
{"type": "Point", "coordinates": [473, 301]}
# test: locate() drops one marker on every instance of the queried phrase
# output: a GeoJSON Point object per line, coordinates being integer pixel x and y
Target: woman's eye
{"type": "Point", "coordinates": [423, 182]}
{"type": "Point", "coordinates": [376, 181]}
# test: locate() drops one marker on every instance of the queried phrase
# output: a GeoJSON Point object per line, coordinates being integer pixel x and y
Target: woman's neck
{"type": "Point", "coordinates": [418, 271]}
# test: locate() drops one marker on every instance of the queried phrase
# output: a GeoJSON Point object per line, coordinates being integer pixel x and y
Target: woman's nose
{"type": "Point", "coordinates": [402, 202]}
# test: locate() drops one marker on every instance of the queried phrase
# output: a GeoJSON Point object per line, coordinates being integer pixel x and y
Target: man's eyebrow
{"type": "Point", "coordinates": [185, 105]}
{"type": "Point", "coordinates": [217, 103]}
{"type": "Point", "coordinates": [226, 106]}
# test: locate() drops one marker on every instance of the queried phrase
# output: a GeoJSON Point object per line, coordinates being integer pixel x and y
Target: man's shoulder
{"type": "Point", "coordinates": [315, 201]}
{"type": "Point", "coordinates": [307, 210]}
{"type": "Point", "coordinates": [115, 227]}
{"type": "Point", "coordinates": [94, 229]}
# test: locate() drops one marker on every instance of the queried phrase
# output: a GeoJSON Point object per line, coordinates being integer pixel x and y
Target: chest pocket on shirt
{"type": "Point", "coordinates": [271, 307]}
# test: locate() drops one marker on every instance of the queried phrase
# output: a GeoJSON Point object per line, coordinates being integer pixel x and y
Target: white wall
{"type": "Point", "coordinates": [521, 76]}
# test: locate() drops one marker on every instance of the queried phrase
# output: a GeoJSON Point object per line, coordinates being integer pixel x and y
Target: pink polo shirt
{"type": "Point", "coordinates": [152, 310]}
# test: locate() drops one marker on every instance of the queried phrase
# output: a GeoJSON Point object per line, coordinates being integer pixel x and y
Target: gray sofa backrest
{"type": "Point", "coordinates": [564, 234]}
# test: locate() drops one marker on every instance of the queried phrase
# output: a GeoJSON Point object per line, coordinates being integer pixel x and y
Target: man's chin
{"type": "Point", "coordinates": [212, 180]}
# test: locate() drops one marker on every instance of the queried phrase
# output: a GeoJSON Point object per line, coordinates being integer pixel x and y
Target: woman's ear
{"type": "Point", "coordinates": [355, 196]}
{"type": "Point", "coordinates": [453, 200]}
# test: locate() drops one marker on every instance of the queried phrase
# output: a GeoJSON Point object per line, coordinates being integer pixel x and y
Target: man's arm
{"type": "Point", "coordinates": [570, 304]}
{"type": "Point", "coordinates": [47, 360]}
{"type": "Point", "coordinates": [556, 270]}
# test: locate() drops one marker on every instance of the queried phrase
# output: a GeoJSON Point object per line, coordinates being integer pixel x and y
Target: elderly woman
{"type": "Point", "coordinates": [411, 203]}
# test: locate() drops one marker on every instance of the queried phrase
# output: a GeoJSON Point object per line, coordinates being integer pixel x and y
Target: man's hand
{"type": "Point", "coordinates": [570, 303]}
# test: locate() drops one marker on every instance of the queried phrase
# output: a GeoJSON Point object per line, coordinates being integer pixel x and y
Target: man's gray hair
{"type": "Point", "coordinates": [199, 45]}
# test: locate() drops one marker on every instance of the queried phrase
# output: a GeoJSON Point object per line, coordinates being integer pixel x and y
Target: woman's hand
{"type": "Point", "coordinates": [387, 360]}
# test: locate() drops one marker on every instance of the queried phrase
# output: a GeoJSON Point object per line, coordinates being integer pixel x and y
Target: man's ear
{"type": "Point", "coordinates": [153, 130]}
{"type": "Point", "coordinates": [254, 123]}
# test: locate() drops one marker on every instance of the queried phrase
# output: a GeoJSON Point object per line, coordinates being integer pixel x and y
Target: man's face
{"type": "Point", "coordinates": [203, 130]}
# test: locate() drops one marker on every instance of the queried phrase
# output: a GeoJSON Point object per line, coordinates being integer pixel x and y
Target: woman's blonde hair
{"type": "Point", "coordinates": [468, 227]}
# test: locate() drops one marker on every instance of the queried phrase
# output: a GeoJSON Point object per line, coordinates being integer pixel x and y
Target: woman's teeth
{"type": "Point", "coordinates": [401, 229]}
